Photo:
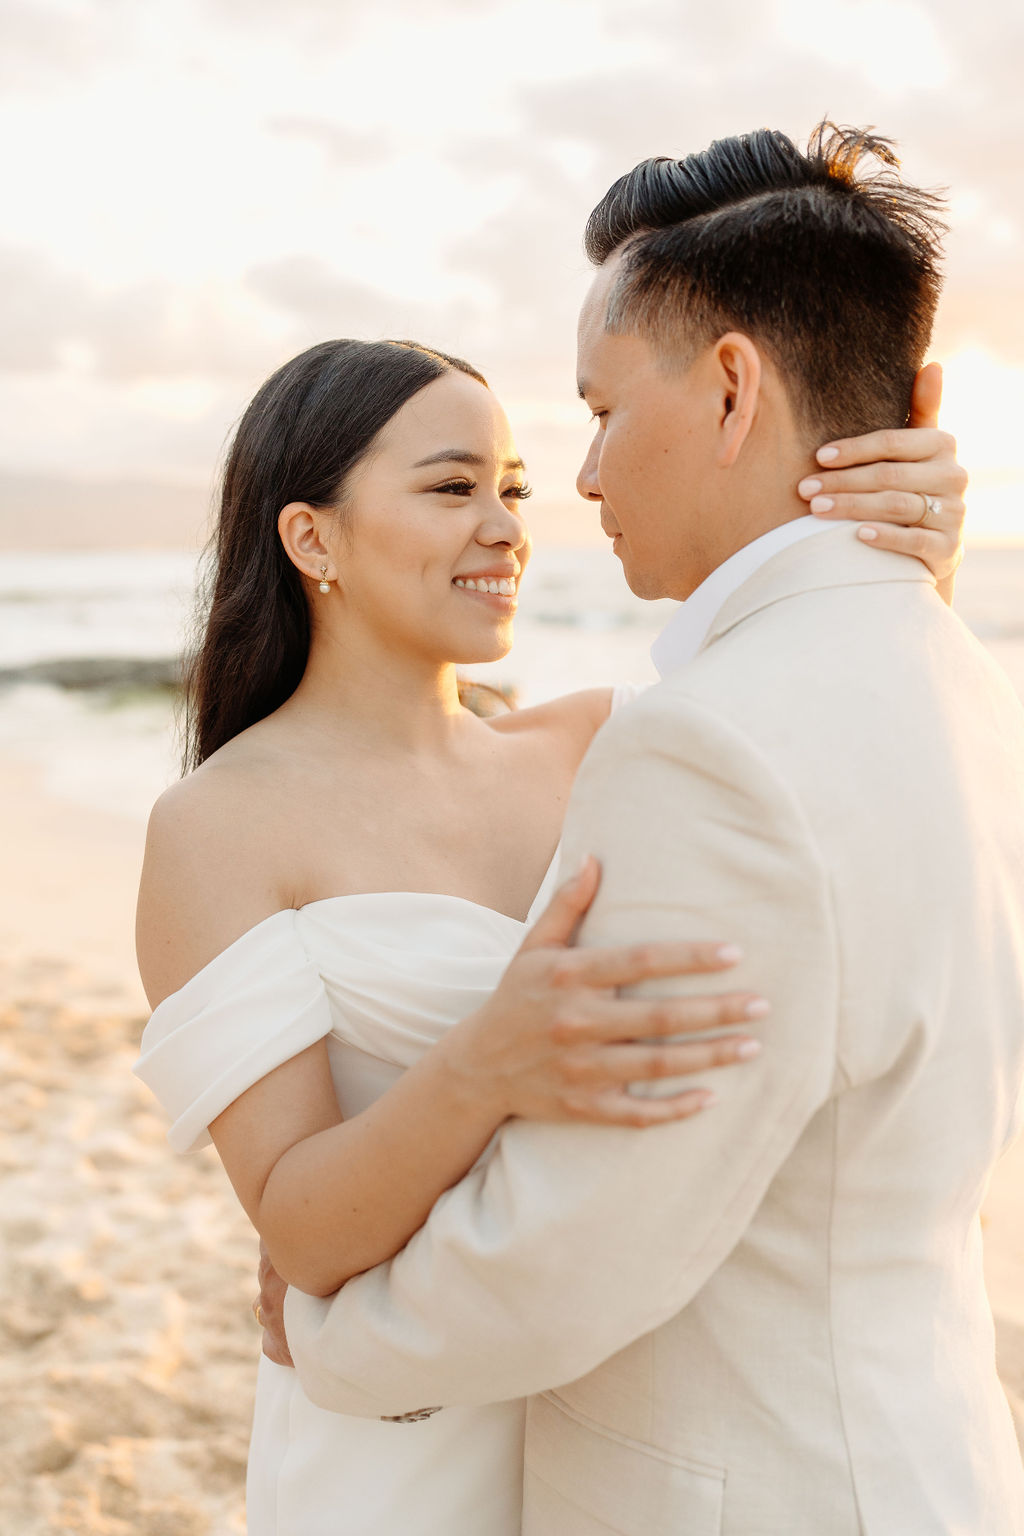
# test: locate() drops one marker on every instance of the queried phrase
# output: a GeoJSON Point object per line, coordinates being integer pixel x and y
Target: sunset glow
{"type": "Point", "coordinates": [203, 188]}
{"type": "Point", "coordinates": [983, 404]}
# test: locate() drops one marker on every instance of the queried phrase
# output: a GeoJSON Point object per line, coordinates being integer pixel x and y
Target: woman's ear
{"type": "Point", "coordinates": [738, 365]}
{"type": "Point", "coordinates": [300, 528]}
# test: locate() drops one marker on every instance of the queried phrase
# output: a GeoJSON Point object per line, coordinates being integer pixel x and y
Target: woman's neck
{"type": "Point", "coordinates": [378, 698]}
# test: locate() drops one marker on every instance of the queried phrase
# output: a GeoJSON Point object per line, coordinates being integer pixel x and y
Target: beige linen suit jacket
{"type": "Point", "coordinates": [769, 1320]}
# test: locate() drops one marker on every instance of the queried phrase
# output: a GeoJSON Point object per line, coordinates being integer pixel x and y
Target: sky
{"type": "Point", "coordinates": [195, 190]}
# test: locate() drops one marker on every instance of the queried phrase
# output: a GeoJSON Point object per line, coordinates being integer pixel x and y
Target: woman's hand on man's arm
{"type": "Point", "coordinates": [555, 1041]}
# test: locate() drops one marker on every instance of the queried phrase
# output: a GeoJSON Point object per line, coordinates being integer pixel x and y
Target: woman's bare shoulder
{"type": "Point", "coordinates": [215, 864]}
{"type": "Point", "coordinates": [217, 799]}
{"type": "Point", "coordinates": [575, 717]}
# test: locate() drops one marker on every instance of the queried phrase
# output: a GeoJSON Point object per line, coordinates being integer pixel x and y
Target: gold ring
{"type": "Point", "coordinates": [257, 1312]}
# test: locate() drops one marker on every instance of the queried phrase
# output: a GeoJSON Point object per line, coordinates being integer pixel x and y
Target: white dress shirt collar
{"type": "Point", "coordinates": [685, 633]}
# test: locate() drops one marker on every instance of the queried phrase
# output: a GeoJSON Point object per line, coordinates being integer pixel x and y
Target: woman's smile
{"type": "Point", "coordinates": [498, 587]}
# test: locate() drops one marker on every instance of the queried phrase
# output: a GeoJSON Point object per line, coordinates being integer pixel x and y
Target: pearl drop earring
{"type": "Point", "coordinates": [325, 585]}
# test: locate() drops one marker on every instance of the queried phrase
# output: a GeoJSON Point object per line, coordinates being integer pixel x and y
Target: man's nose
{"type": "Point", "coordinates": [586, 481]}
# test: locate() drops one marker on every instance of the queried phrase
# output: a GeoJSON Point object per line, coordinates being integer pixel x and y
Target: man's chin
{"type": "Point", "coordinates": [641, 583]}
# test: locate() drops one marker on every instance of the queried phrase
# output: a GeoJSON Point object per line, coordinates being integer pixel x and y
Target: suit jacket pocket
{"type": "Point", "coordinates": [582, 1477]}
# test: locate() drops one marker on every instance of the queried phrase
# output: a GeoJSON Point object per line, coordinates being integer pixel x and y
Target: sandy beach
{"type": "Point", "coordinates": [128, 1345]}
{"type": "Point", "coordinates": [129, 1350]}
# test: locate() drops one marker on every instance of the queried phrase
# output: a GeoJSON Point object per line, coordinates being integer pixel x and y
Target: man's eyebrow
{"type": "Point", "coordinates": [463, 456]}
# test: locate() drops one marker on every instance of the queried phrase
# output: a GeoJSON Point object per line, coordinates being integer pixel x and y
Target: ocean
{"type": "Point", "coordinates": [83, 636]}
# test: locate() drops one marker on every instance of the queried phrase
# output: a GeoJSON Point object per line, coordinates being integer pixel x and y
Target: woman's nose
{"type": "Point", "coordinates": [505, 527]}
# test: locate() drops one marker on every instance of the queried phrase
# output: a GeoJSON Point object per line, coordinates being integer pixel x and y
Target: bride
{"type": "Point", "coordinates": [348, 928]}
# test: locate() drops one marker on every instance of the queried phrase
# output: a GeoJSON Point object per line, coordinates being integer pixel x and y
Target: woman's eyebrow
{"type": "Point", "coordinates": [462, 456]}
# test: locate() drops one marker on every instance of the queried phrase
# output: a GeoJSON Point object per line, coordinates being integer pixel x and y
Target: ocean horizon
{"type": "Point", "coordinates": [118, 619]}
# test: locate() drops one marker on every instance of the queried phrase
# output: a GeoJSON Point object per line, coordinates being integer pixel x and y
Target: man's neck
{"type": "Point", "coordinates": [746, 519]}
{"type": "Point", "coordinates": [684, 635]}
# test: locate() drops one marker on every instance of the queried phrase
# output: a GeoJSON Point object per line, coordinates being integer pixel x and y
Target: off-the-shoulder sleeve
{"type": "Point", "coordinates": [626, 693]}
{"type": "Point", "coordinates": [258, 1004]}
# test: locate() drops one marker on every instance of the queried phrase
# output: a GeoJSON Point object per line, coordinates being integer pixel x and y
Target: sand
{"type": "Point", "coordinates": [127, 1346]}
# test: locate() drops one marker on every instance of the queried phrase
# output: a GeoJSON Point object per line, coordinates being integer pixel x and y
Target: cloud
{"type": "Point", "coordinates": [40, 308]}
{"type": "Point", "coordinates": [982, 308]}
{"type": "Point", "coordinates": [322, 19]}
{"type": "Point", "coordinates": [316, 21]}
{"type": "Point", "coordinates": [333, 166]}
{"type": "Point", "coordinates": [44, 43]}
{"type": "Point", "coordinates": [322, 24]}
{"type": "Point", "coordinates": [529, 258]}
{"type": "Point", "coordinates": [319, 303]}
{"type": "Point", "coordinates": [51, 319]}
{"type": "Point", "coordinates": [316, 303]}
{"type": "Point", "coordinates": [345, 147]}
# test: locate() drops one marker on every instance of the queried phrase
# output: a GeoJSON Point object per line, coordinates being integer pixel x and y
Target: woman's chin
{"type": "Point", "coordinates": [476, 652]}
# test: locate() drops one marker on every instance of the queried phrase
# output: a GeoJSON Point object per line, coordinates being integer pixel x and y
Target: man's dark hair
{"type": "Point", "coordinates": [832, 272]}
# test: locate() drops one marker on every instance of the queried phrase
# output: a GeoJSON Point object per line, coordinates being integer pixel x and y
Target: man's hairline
{"type": "Point", "coordinates": [676, 360]}
{"type": "Point", "coordinates": [672, 359]}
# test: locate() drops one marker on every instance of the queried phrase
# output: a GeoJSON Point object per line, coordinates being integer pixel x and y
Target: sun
{"type": "Point", "coordinates": [983, 406]}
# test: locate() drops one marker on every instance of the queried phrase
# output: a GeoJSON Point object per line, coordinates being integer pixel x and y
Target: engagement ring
{"type": "Point", "coordinates": [932, 508]}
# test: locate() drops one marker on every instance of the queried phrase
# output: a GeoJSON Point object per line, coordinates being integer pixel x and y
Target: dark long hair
{"type": "Point", "coordinates": [306, 429]}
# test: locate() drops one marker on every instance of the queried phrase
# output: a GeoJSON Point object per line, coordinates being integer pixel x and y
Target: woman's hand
{"type": "Point", "coordinates": [556, 1042]}
{"type": "Point", "coordinates": [885, 476]}
{"type": "Point", "coordinates": [268, 1309]}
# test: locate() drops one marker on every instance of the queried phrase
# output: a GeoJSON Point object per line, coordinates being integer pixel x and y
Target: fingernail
{"type": "Point", "coordinates": [729, 953]}
{"type": "Point", "coordinates": [822, 504]}
{"type": "Point", "coordinates": [757, 1008]}
{"type": "Point", "coordinates": [869, 535]}
{"type": "Point", "coordinates": [748, 1048]}
{"type": "Point", "coordinates": [809, 487]}
{"type": "Point", "coordinates": [708, 1099]}
{"type": "Point", "coordinates": [582, 867]}
{"type": "Point", "coordinates": [826, 455]}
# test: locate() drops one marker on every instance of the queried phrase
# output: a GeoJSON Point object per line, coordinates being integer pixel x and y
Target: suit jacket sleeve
{"type": "Point", "coordinates": [571, 1241]}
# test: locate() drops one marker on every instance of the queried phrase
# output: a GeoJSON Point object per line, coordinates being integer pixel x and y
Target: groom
{"type": "Point", "coordinates": [769, 1320]}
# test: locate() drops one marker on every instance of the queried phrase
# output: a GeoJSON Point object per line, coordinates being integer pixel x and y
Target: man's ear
{"type": "Point", "coordinates": [737, 363]}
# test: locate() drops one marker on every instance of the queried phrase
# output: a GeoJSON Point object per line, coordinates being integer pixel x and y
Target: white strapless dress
{"type": "Point", "coordinates": [380, 977]}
